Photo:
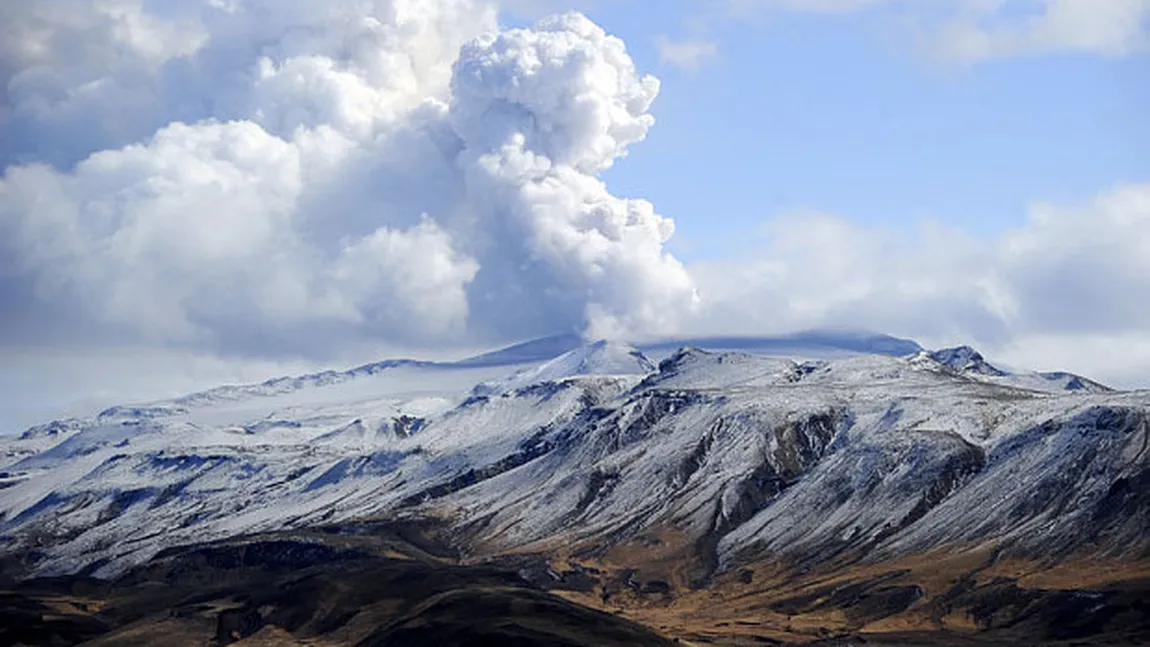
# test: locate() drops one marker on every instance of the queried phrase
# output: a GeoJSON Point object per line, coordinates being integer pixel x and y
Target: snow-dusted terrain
{"type": "Point", "coordinates": [796, 448]}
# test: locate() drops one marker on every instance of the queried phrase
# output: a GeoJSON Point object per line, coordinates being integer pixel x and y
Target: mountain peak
{"type": "Point", "coordinates": [601, 357]}
{"type": "Point", "coordinates": [534, 350]}
{"type": "Point", "coordinates": [965, 359]}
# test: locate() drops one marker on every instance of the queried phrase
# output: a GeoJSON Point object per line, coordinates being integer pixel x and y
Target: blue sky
{"type": "Point", "coordinates": [836, 113]}
{"type": "Point", "coordinates": [205, 191]}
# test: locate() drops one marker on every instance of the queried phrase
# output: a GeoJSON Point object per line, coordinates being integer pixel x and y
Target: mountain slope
{"type": "Point", "coordinates": [689, 473]}
{"type": "Point", "coordinates": [597, 358]}
{"type": "Point", "coordinates": [967, 361]}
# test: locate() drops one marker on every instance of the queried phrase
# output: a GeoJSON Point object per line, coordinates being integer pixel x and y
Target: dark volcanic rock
{"type": "Point", "coordinates": [509, 618]}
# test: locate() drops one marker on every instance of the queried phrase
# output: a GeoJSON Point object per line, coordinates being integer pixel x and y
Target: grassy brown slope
{"type": "Point", "coordinates": [389, 584]}
{"type": "Point", "coordinates": [307, 588]}
{"type": "Point", "coordinates": [969, 597]}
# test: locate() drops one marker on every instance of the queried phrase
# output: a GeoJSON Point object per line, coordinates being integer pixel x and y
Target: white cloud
{"type": "Point", "coordinates": [84, 76]}
{"type": "Point", "coordinates": [391, 275]}
{"type": "Point", "coordinates": [540, 112]}
{"type": "Point", "coordinates": [280, 177]}
{"type": "Point", "coordinates": [197, 237]}
{"type": "Point", "coordinates": [297, 178]}
{"type": "Point", "coordinates": [1006, 29]}
{"type": "Point", "coordinates": [1069, 289]}
{"type": "Point", "coordinates": [816, 269]}
{"type": "Point", "coordinates": [1118, 360]}
{"type": "Point", "coordinates": [39, 383]}
{"type": "Point", "coordinates": [689, 54]}
{"type": "Point", "coordinates": [970, 31]}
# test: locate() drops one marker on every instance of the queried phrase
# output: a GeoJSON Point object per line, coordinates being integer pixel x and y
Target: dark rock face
{"type": "Point", "coordinates": [1067, 482]}
{"type": "Point", "coordinates": [122, 501]}
{"type": "Point", "coordinates": [1124, 512]}
{"type": "Point", "coordinates": [236, 624]}
{"type": "Point", "coordinates": [863, 601]}
{"type": "Point", "coordinates": [1061, 617]}
{"type": "Point", "coordinates": [965, 358]}
{"type": "Point", "coordinates": [508, 618]}
{"type": "Point", "coordinates": [405, 426]}
{"type": "Point", "coordinates": [311, 589]}
{"type": "Point", "coordinates": [800, 444]}
{"type": "Point", "coordinates": [26, 620]}
{"type": "Point", "coordinates": [528, 450]}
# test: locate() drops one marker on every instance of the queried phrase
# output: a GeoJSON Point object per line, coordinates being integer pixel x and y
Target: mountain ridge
{"type": "Point", "coordinates": [812, 344]}
{"type": "Point", "coordinates": [687, 472]}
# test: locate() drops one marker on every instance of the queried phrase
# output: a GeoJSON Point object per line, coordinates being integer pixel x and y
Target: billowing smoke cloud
{"type": "Point", "coordinates": [258, 176]}
{"type": "Point", "coordinates": [540, 112]}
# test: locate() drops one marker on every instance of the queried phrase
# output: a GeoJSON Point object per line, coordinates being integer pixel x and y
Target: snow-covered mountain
{"type": "Point", "coordinates": [597, 358]}
{"type": "Point", "coordinates": [970, 362]}
{"type": "Point", "coordinates": [741, 456]}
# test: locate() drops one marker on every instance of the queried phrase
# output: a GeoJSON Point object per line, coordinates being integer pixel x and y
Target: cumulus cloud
{"type": "Point", "coordinates": [1084, 269]}
{"type": "Point", "coordinates": [86, 76]}
{"type": "Point", "coordinates": [1068, 274]}
{"type": "Point", "coordinates": [816, 269]}
{"type": "Point", "coordinates": [196, 237]}
{"type": "Point", "coordinates": [270, 177]}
